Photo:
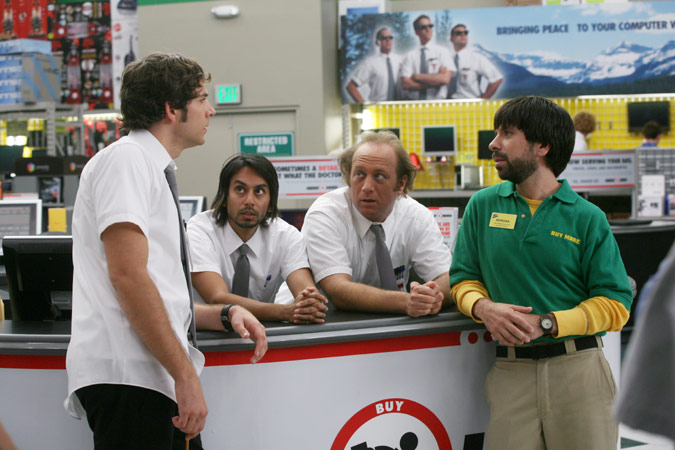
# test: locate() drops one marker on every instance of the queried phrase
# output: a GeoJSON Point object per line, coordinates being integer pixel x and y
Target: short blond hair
{"type": "Point", "coordinates": [405, 167]}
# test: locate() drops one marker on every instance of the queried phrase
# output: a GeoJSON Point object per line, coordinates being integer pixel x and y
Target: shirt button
{"type": "Point", "coordinates": [522, 216]}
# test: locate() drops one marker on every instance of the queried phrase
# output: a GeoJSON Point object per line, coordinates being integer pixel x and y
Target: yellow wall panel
{"type": "Point", "coordinates": [470, 116]}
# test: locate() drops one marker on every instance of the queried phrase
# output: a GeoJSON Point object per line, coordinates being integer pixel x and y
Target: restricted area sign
{"type": "Point", "coordinates": [267, 144]}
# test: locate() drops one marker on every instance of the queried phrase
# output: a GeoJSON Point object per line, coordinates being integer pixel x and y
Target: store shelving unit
{"type": "Point", "coordinates": [55, 116]}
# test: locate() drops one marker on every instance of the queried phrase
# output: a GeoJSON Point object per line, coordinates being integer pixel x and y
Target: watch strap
{"type": "Point", "coordinates": [225, 318]}
{"type": "Point", "coordinates": [546, 318]}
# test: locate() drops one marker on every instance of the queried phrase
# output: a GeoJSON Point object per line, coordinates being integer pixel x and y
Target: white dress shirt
{"type": "Point", "coordinates": [374, 75]}
{"type": "Point", "coordinates": [580, 144]}
{"type": "Point", "coordinates": [339, 240]}
{"type": "Point", "coordinates": [473, 67]}
{"type": "Point", "coordinates": [125, 182]}
{"type": "Point", "coordinates": [436, 56]}
{"type": "Point", "coordinates": [275, 251]}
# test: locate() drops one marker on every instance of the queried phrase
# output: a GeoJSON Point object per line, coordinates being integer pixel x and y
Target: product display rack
{"type": "Point", "coordinates": [55, 116]}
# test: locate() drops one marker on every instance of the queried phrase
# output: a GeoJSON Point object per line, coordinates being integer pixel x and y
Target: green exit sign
{"type": "Point", "coordinates": [228, 94]}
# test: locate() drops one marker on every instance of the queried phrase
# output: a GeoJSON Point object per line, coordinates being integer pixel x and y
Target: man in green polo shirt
{"type": "Point", "coordinates": [538, 265]}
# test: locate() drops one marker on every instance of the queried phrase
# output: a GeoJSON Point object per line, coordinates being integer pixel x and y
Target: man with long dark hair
{"type": "Point", "coordinates": [242, 252]}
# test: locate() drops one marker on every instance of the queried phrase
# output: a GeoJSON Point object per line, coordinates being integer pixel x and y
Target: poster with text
{"type": "Point", "coordinates": [553, 51]}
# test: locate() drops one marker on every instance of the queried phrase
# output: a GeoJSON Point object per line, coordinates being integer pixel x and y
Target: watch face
{"type": "Point", "coordinates": [546, 323]}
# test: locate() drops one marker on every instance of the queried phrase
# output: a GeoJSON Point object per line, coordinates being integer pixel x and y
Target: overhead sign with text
{"type": "Point", "coordinates": [267, 144]}
{"type": "Point", "coordinates": [553, 51]}
{"type": "Point", "coordinates": [307, 176]}
{"type": "Point", "coordinates": [603, 170]}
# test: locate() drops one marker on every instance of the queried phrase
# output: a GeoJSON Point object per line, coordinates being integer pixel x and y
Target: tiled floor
{"type": "Point", "coordinates": [640, 440]}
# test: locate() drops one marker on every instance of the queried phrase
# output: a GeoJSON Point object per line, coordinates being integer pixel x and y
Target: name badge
{"type": "Point", "coordinates": [501, 220]}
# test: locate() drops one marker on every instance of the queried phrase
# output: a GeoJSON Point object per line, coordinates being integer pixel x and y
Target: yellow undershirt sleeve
{"type": "Point", "coordinates": [592, 316]}
{"type": "Point", "coordinates": [466, 294]}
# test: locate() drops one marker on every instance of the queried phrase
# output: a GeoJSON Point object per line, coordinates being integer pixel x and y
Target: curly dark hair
{"type": "Point", "coordinates": [148, 83]}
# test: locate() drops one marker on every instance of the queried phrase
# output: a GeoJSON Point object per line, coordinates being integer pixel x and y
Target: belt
{"type": "Point", "coordinates": [549, 350]}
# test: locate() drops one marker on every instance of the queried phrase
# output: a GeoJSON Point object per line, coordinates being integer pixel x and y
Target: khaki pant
{"type": "Point", "coordinates": [560, 403]}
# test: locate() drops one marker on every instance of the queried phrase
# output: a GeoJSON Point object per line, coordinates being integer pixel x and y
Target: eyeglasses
{"type": "Point", "coordinates": [460, 32]}
{"type": "Point", "coordinates": [386, 38]}
{"type": "Point", "coordinates": [424, 27]}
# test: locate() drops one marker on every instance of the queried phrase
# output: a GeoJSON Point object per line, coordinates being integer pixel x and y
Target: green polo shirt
{"type": "Point", "coordinates": [552, 261]}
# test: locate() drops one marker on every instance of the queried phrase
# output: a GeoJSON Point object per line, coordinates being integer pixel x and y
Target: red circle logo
{"type": "Point", "coordinates": [393, 423]}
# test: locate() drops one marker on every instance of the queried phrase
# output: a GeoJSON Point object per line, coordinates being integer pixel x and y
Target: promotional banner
{"type": "Point", "coordinates": [601, 170]}
{"type": "Point", "coordinates": [307, 176]}
{"type": "Point", "coordinates": [554, 51]}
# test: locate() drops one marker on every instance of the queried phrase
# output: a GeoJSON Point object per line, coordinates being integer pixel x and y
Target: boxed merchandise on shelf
{"type": "Point", "coordinates": [29, 78]}
{"type": "Point", "coordinates": [15, 46]}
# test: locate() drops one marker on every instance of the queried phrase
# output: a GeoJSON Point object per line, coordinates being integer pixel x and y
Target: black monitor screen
{"type": "Point", "coordinates": [484, 139]}
{"type": "Point", "coordinates": [439, 140]}
{"type": "Point", "coordinates": [639, 113]}
{"type": "Point", "coordinates": [396, 131]}
{"type": "Point", "coordinates": [39, 276]}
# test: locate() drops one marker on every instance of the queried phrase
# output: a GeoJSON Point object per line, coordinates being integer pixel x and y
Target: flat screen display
{"type": "Point", "coordinates": [439, 140]}
{"type": "Point", "coordinates": [396, 131]}
{"type": "Point", "coordinates": [639, 113]}
{"type": "Point", "coordinates": [39, 276]}
{"type": "Point", "coordinates": [191, 206]}
{"type": "Point", "coordinates": [20, 218]}
{"type": "Point", "coordinates": [484, 139]}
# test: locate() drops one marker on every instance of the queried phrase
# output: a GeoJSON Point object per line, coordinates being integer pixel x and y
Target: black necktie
{"type": "Point", "coordinates": [452, 86]}
{"type": "Point", "coordinates": [383, 259]}
{"type": "Point", "coordinates": [242, 273]}
{"type": "Point", "coordinates": [424, 68]}
{"type": "Point", "coordinates": [184, 251]}
{"type": "Point", "coordinates": [391, 83]}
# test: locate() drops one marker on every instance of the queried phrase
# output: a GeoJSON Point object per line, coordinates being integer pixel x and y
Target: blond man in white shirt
{"type": "Point", "coordinates": [341, 239]}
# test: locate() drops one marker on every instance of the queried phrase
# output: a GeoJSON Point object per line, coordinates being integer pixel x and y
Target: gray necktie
{"type": "Point", "coordinates": [383, 259]}
{"type": "Point", "coordinates": [452, 86]}
{"type": "Point", "coordinates": [242, 272]}
{"type": "Point", "coordinates": [423, 69]}
{"type": "Point", "coordinates": [184, 251]}
{"type": "Point", "coordinates": [390, 75]}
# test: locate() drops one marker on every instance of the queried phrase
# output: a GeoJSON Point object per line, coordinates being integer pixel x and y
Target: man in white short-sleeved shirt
{"type": "Point", "coordinates": [427, 69]}
{"type": "Point", "coordinates": [130, 367]}
{"type": "Point", "coordinates": [341, 229]}
{"type": "Point", "coordinates": [378, 74]}
{"type": "Point", "coordinates": [244, 221]}
{"type": "Point", "coordinates": [472, 68]}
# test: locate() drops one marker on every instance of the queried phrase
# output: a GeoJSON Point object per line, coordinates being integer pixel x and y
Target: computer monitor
{"type": "Point", "coordinates": [39, 276]}
{"type": "Point", "coordinates": [20, 217]}
{"type": "Point", "coordinates": [191, 205]}
{"type": "Point", "coordinates": [396, 131]}
{"type": "Point", "coordinates": [439, 140]}
{"type": "Point", "coordinates": [639, 113]}
{"type": "Point", "coordinates": [484, 139]}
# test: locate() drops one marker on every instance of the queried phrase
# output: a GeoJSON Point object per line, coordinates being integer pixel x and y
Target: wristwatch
{"type": "Point", "coordinates": [225, 318]}
{"type": "Point", "coordinates": [546, 323]}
